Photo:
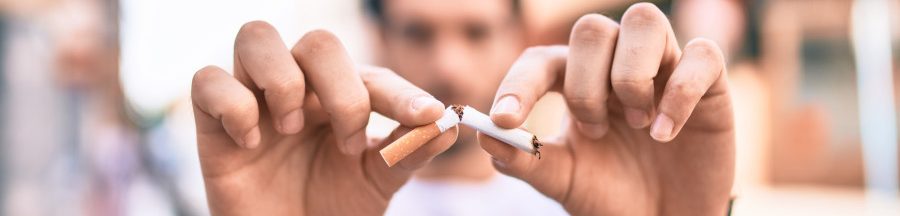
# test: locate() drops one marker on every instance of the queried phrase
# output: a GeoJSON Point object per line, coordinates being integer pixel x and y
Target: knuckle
{"type": "Point", "coordinates": [686, 90]}
{"type": "Point", "coordinates": [629, 82]}
{"type": "Point", "coordinates": [233, 106]}
{"type": "Point", "coordinates": [285, 90]}
{"type": "Point", "coordinates": [594, 27]}
{"type": "Point", "coordinates": [369, 73]}
{"type": "Point", "coordinates": [585, 98]}
{"type": "Point", "coordinates": [585, 102]}
{"type": "Point", "coordinates": [218, 103]}
{"type": "Point", "coordinates": [626, 75]}
{"type": "Point", "coordinates": [705, 48]}
{"type": "Point", "coordinates": [211, 92]}
{"type": "Point", "coordinates": [256, 29]}
{"type": "Point", "coordinates": [317, 40]}
{"type": "Point", "coordinates": [203, 77]}
{"type": "Point", "coordinates": [643, 14]}
{"type": "Point", "coordinates": [283, 86]}
{"type": "Point", "coordinates": [354, 106]}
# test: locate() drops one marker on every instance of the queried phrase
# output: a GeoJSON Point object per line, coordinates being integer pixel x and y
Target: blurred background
{"type": "Point", "coordinates": [95, 113]}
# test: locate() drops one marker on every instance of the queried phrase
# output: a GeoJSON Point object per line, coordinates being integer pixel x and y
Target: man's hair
{"type": "Point", "coordinates": [375, 9]}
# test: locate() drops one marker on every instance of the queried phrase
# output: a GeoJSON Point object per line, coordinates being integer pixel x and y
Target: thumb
{"type": "Point", "coordinates": [550, 174]}
{"type": "Point", "coordinates": [389, 179]}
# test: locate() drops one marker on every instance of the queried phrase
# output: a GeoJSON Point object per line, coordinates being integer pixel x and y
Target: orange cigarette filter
{"type": "Point", "coordinates": [408, 143]}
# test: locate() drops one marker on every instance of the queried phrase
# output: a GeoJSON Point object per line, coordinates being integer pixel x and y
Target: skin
{"type": "Point", "coordinates": [286, 134]}
{"type": "Point", "coordinates": [650, 128]}
{"type": "Point", "coordinates": [440, 46]}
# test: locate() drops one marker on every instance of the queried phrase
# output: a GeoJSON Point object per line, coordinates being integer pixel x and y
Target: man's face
{"type": "Point", "coordinates": [456, 50]}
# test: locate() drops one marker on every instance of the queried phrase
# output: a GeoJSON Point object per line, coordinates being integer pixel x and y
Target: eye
{"type": "Point", "coordinates": [476, 33]}
{"type": "Point", "coordinates": [417, 33]}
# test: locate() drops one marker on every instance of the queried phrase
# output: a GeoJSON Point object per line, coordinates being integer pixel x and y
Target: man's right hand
{"type": "Point", "coordinates": [286, 134]}
{"type": "Point", "coordinates": [650, 126]}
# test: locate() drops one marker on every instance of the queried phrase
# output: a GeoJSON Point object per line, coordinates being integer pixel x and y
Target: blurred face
{"type": "Point", "coordinates": [456, 50]}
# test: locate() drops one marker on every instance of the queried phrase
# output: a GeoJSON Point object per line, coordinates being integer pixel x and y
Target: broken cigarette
{"type": "Point", "coordinates": [453, 115]}
{"type": "Point", "coordinates": [517, 137]}
{"type": "Point", "coordinates": [408, 143]}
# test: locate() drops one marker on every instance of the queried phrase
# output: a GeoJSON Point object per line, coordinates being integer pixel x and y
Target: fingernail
{"type": "Point", "coordinates": [506, 104]}
{"type": "Point", "coordinates": [636, 118]}
{"type": "Point", "coordinates": [662, 128]}
{"type": "Point", "coordinates": [252, 138]}
{"type": "Point", "coordinates": [594, 131]}
{"type": "Point", "coordinates": [292, 122]}
{"type": "Point", "coordinates": [422, 102]}
{"type": "Point", "coordinates": [355, 144]}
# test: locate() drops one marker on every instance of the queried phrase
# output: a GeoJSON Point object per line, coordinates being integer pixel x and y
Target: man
{"type": "Point", "coordinates": [649, 131]}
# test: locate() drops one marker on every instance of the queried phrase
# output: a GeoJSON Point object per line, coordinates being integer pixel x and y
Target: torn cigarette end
{"type": "Point", "coordinates": [408, 143]}
{"type": "Point", "coordinates": [458, 109]}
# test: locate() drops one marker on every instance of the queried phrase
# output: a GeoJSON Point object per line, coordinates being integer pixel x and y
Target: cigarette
{"type": "Point", "coordinates": [453, 115]}
{"type": "Point", "coordinates": [518, 138]}
{"type": "Point", "coordinates": [409, 142]}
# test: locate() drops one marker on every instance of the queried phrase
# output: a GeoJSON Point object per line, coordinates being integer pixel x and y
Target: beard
{"type": "Point", "coordinates": [466, 141]}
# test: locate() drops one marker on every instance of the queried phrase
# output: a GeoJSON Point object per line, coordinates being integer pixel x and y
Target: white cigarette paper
{"type": "Point", "coordinates": [518, 138]}
{"type": "Point", "coordinates": [405, 145]}
{"type": "Point", "coordinates": [448, 120]}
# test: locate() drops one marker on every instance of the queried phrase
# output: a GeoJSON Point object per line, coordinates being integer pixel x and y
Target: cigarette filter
{"type": "Point", "coordinates": [409, 142]}
{"type": "Point", "coordinates": [518, 138]}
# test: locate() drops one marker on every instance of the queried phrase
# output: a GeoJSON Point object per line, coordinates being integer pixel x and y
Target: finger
{"type": "Point", "coordinates": [550, 174]}
{"type": "Point", "coordinates": [586, 85]}
{"type": "Point", "coordinates": [390, 179]}
{"type": "Point", "coordinates": [222, 104]}
{"type": "Point", "coordinates": [396, 98]}
{"type": "Point", "coordinates": [701, 65]}
{"type": "Point", "coordinates": [333, 77]}
{"type": "Point", "coordinates": [645, 41]}
{"type": "Point", "coordinates": [261, 56]}
{"type": "Point", "coordinates": [529, 78]}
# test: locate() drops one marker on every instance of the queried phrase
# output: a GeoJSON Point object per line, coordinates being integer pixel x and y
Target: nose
{"type": "Point", "coordinates": [452, 60]}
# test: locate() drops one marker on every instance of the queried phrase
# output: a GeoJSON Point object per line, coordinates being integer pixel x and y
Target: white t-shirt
{"type": "Point", "coordinates": [502, 195]}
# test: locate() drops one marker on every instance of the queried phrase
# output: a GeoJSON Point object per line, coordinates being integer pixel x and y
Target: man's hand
{"type": "Point", "coordinates": [650, 131]}
{"type": "Point", "coordinates": [286, 134]}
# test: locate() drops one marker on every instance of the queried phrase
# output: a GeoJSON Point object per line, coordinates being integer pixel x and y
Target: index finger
{"type": "Point", "coordinates": [530, 77]}
{"type": "Point", "coordinates": [398, 99]}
